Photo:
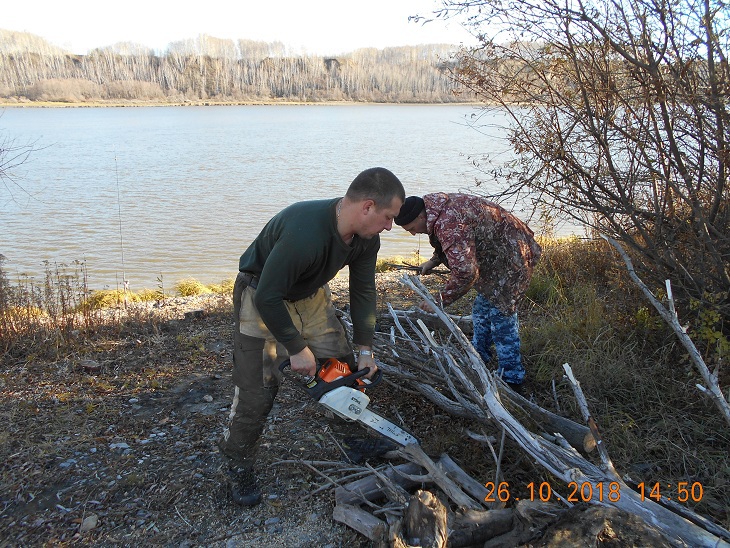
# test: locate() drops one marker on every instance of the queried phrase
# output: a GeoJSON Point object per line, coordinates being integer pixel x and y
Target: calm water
{"type": "Point", "coordinates": [181, 191]}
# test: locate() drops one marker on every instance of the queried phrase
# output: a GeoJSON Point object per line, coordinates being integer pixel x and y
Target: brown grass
{"type": "Point", "coordinates": [582, 309]}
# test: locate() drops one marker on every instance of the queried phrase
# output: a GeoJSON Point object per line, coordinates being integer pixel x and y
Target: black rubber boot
{"type": "Point", "coordinates": [244, 487]}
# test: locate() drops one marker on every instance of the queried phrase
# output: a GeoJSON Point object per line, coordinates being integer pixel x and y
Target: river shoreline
{"type": "Point", "coordinates": [4, 103]}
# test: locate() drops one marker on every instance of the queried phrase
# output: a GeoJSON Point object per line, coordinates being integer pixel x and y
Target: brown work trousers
{"type": "Point", "coordinates": [257, 356]}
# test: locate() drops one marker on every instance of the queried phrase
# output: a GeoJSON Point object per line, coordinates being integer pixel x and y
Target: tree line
{"type": "Point", "coordinates": [222, 70]}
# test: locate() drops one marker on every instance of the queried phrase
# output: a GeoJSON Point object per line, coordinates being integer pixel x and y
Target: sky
{"type": "Point", "coordinates": [320, 27]}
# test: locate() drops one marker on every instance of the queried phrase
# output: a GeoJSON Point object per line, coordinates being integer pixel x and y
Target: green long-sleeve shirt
{"type": "Point", "coordinates": [297, 252]}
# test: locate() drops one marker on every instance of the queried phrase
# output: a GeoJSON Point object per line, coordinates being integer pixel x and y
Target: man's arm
{"type": "Point", "coordinates": [363, 296]}
{"type": "Point", "coordinates": [279, 274]}
{"type": "Point", "coordinates": [363, 303]}
{"type": "Point", "coordinates": [460, 249]}
{"type": "Point", "coordinates": [429, 265]}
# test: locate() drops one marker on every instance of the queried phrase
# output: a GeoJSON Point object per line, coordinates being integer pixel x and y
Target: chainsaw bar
{"type": "Point", "coordinates": [386, 428]}
{"type": "Point", "coordinates": [344, 395]}
{"type": "Point", "coordinates": [351, 404]}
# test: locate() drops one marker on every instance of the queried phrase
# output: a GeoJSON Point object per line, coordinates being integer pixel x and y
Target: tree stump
{"type": "Point", "coordinates": [426, 521]}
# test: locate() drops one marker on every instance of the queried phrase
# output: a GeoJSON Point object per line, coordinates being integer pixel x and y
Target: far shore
{"type": "Point", "coordinates": [4, 103]}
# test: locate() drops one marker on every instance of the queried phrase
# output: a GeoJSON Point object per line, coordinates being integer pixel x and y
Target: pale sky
{"type": "Point", "coordinates": [323, 27]}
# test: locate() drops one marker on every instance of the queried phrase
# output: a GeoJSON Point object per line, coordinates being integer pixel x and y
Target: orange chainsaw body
{"type": "Point", "coordinates": [331, 370]}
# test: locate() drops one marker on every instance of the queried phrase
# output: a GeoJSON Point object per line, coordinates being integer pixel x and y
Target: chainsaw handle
{"type": "Point", "coordinates": [349, 380]}
{"type": "Point", "coordinates": [369, 383]}
{"type": "Point", "coordinates": [287, 363]}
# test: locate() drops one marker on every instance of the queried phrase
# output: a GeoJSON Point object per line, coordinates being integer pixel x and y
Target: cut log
{"type": "Point", "coordinates": [361, 521]}
{"type": "Point", "coordinates": [426, 521]}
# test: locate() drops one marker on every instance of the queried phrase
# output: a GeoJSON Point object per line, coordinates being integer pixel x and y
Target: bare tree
{"type": "Point", "coordinates": [619, 120]}
{"type": "Point", "coordinates": [12, 155]}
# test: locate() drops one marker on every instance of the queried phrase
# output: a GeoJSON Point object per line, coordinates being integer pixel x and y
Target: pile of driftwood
{"type": "Point", "coordinates": [398, 505]}
{"type": "Point", "coordinates": [394, 506]}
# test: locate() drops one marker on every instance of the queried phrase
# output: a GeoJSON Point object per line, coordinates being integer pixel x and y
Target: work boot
{"type": "Point", "coordinates": [244, 487]}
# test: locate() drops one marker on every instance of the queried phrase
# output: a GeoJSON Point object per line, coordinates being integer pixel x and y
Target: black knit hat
{"type": "Point", "coordinates": [410, 210]}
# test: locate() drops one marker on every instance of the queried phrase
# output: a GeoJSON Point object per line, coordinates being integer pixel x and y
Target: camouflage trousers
{"type": "Point", "coordinates": [492, 326]}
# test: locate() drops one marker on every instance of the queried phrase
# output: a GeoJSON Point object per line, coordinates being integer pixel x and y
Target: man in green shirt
{"type": "Point", "coordinates": [283, 307]}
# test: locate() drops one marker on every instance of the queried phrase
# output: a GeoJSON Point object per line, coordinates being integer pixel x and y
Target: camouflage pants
{"type": "Point", "coordinates": [492, 326]}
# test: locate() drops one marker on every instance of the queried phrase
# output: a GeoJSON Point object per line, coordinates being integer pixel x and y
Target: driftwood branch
{"type": "Point", "coordinates": [414, 453]}
{"type": "Point", "coordinates": [712, 386]}
{"type": "Point", "coordinates": [480, 387]}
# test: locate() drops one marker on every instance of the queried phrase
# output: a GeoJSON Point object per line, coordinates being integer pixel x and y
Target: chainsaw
{"type": "Point", "coordinates": [343, 392]}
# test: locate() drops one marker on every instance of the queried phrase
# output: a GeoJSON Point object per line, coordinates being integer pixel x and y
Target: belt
{"type": "Point", "coordinates": [251, 280]}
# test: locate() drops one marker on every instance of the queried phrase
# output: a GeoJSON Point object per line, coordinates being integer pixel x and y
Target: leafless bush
{"type": "Point", "coordinates": [133, 89]}
{"type": "Point", "coordinates": [65, 90]}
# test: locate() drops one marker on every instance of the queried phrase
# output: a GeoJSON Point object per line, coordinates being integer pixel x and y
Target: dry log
{"type": "Point", "coordinates": [437, 476]}
{"type": "Point", "coordinates": [426, 522]}
{"type": "Point", "coordinates": [361, 521]}
{"type": "Point", "coordinates": [475, 528]}
{"type": "Point", "coordinates": [371, 488]}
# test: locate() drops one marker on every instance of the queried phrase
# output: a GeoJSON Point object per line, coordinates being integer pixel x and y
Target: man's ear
{"type": "Point", "coordinates": [368, 205]}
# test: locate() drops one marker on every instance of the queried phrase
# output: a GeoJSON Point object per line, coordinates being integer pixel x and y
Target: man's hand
{"type": "Point", "coordinates": [304, 362]}
{"type": "Point", "coordinates": [367, 361]}
{"type": "Point", "coordinates": [428, 266]}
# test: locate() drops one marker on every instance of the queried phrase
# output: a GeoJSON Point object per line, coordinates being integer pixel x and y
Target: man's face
{"type": "Point", "coordinates": [417, 225]}
{"type": "Point", "coordinates": [375, 220]}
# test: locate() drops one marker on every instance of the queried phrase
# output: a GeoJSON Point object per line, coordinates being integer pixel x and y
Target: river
{"type": "Point", "coordinates": [175, 192]}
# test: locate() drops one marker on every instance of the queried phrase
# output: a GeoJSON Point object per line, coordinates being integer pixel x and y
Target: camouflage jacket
{"type": "Point", "coordinates": [483, 245]}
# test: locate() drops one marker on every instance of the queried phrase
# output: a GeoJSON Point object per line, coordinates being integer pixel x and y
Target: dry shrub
{"type": "Point", "coordinates": [190, 287]}
{"type": "Point", "coordinates": [64, 90]}
{"type": "Point", "coordinates": [7, 92]}
{"type": "Point", "coordinates": [110, 298]}
{"type": "Point", "coordinates": [133, 89]}
{"type": "Point", "coordinates": [147, 295]}
{"type": "Point", "coordinates": [224, 288]}
{"type": "Point", "coordinates": [386, 264]}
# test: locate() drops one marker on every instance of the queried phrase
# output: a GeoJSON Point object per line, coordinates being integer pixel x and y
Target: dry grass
{"type": "Point", "coordinates": [582, 309]}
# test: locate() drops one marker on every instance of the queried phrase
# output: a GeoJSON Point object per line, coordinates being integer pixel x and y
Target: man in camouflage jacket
{"type": "Point", "coordinates": [485, 247]}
